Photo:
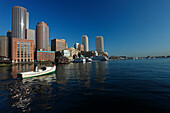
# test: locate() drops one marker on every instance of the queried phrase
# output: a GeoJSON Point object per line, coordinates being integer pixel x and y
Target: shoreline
{"type": "Point", "coordinates": [11, 64]}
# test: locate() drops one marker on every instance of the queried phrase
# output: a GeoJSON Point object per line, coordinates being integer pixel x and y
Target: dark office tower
{"type": "Point", "coordinates": [9, 35]}
{"type": "Point", "coordinates": [20, 22]}
{"type": "Point", "coordinates": [42, 36]}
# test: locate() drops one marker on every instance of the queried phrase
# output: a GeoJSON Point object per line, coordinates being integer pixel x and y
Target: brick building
{"type": "Point", "coordinates": [58, 44]}
{"type": "Point", "coordinates": [45, 55]}
{"type": "Point", "coordinates": [22, 50]}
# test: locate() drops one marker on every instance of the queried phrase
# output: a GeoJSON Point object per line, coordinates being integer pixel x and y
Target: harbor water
{"type": "Point", "coordinates": [119, 86]}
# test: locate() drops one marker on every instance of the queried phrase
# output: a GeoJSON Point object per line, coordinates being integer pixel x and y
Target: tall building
{"type": "Point", "coordinates": [20, 22]}
{"type": "Point", "coordinates": [58, 44]}
{"type": "Point", "coordinates": [22, 50]}
{"type": "Point", "coordinates": [99, 44]}
{"type": "Point", "coordinates": [4, 46]}
{"type": "Point", "coordinates": [9, 35]}
{"type": "Point", "coordinates": [84, 39]}
{"type": "Point", "coordinates": [42, 36]}
{"type": "Point", "coordinates": [30, 34]}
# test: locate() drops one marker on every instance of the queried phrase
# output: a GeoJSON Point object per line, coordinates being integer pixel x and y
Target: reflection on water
{"type": "Point", "coordinates": [100, 72]}
{"type": "Point", "coordinates": [23, 92]}
{"type": "Point", "coordinates": [44, 91]}
{"type": "Point", "coordinates": [136, 86]}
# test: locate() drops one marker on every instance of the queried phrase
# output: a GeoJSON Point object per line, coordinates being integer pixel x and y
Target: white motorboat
{"type": "Point", "coordinates": [100, 58]}
{"type": "Point", "coordinates": [37, 72]}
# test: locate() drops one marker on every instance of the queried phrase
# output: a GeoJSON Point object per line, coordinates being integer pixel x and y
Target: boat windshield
{"type": "Point", "coordinates": [43, 68]}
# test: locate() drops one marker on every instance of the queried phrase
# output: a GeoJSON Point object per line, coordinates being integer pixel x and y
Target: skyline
{"type": "Point", "coordinates": [130, 28]}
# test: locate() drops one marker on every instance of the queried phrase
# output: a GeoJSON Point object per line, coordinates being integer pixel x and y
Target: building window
{"type": "Point", "coordinates": [25, 49]}
{"type": "Point", "coordinates": [21, 49]}
{"type": "Point", "coordinates": [18, 49]}
{"type": "Point", "coordinates": [28, 49]}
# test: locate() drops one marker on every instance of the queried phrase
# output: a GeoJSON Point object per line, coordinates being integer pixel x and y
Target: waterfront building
{"type": "Point", "coordinates": [22, 50]}
{"type": "Point", "coordinates": [69, 52]}
{"type": "Point", "coordinates": [20, 22]}
{"type": "Point", "coordinates": [58, 44]}
{"type": "Point", "coordinates": [81, 47]}
{"type": "Point", "coordinates": [45, 55]}
{"type": "Point", "coordinates": [42, 36]}
{"type": "Point", "coordinates": [30, 34]}
{"type": "Point", "coordinates": [72, 52]}
{"type": "Point", "coordinates": [76, 45]}
{"type": "Point", "coordinates": [84, 39]}
{"type": "Point", "coordinates": [99, 44]}
{"type": "Point", "coordinates": [66, 53]}
{"type": "Point", "coordinates": [4, 46]}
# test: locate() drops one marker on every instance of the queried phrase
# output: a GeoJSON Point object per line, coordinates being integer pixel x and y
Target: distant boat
{"type": "Point", "coordinates": [37, 72]}
{"type": "Point", "coordinates": [88, 59]}
{"type": "Point", "coordinates": [79, 60]}
{"type": "Point", "coordinates": [100, 58]}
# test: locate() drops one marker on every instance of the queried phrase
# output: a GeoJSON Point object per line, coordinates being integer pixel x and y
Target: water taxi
{"type": "Point", "coordinates": [37, 72]}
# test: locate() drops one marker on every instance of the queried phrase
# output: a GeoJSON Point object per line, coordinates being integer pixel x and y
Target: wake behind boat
{"type": "Point", "coordinates": [37, 72]}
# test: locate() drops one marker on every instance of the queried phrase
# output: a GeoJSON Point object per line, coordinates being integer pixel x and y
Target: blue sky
{"type": "Point", "coordinates": [129, 27]}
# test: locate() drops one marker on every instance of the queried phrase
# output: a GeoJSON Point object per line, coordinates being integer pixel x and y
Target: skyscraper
{"type": "Point", "coordinates": [42, 36]}
{"type": "Point", "coordinates": [84, 39]}
{"type": "Point", "coordinates": [99, 44]}
{"type": "Point", "coordinates": [20, 22]}
{"type": "Point", "coordinates": [58, 44]}
{"type": "Point", "coordinates": [9, 35]}
{"type": "Point", "coordinates": [4, 46]}
{"type": "Point", "coordinates": [30, 34]}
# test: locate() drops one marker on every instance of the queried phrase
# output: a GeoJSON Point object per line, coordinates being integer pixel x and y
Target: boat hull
{"type": "Point", "coordinates": [38, 75]}
{"type": "Point", "coordinates": [35, 74]}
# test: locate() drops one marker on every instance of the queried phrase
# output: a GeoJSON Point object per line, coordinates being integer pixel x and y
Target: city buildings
{"type": "Point", "coordinates": [22, 39]}
{"type": "Point", "coordinates": [42, 36]}
{"type": "Point", "coordinates": [19, 45]}
{"type": "Point", "coordinates": [66, 53]}
{"type": "Point", "coordinates": [45, 55]}
{"type": "Point", "coordinates": [22, 50]}
{"type": "Point", "coordinates": [76, 45]}
{"type": "Point", "coordinates": [4, 46]}
{"type": "Point", "coordinates": [70, 52]}
{"type": "Point", "coordinates": [30, 34]}
{"type": "Point", "coordinates": [81, 47]}
{"type": "Point", "coordinates": [58, 44]}
{"type": "Point", "coordinates": [20, 22]}
{"type": "Point", "coordinates": [84, 39]}
{"type": "Point", "coordinates": [99, 44]}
